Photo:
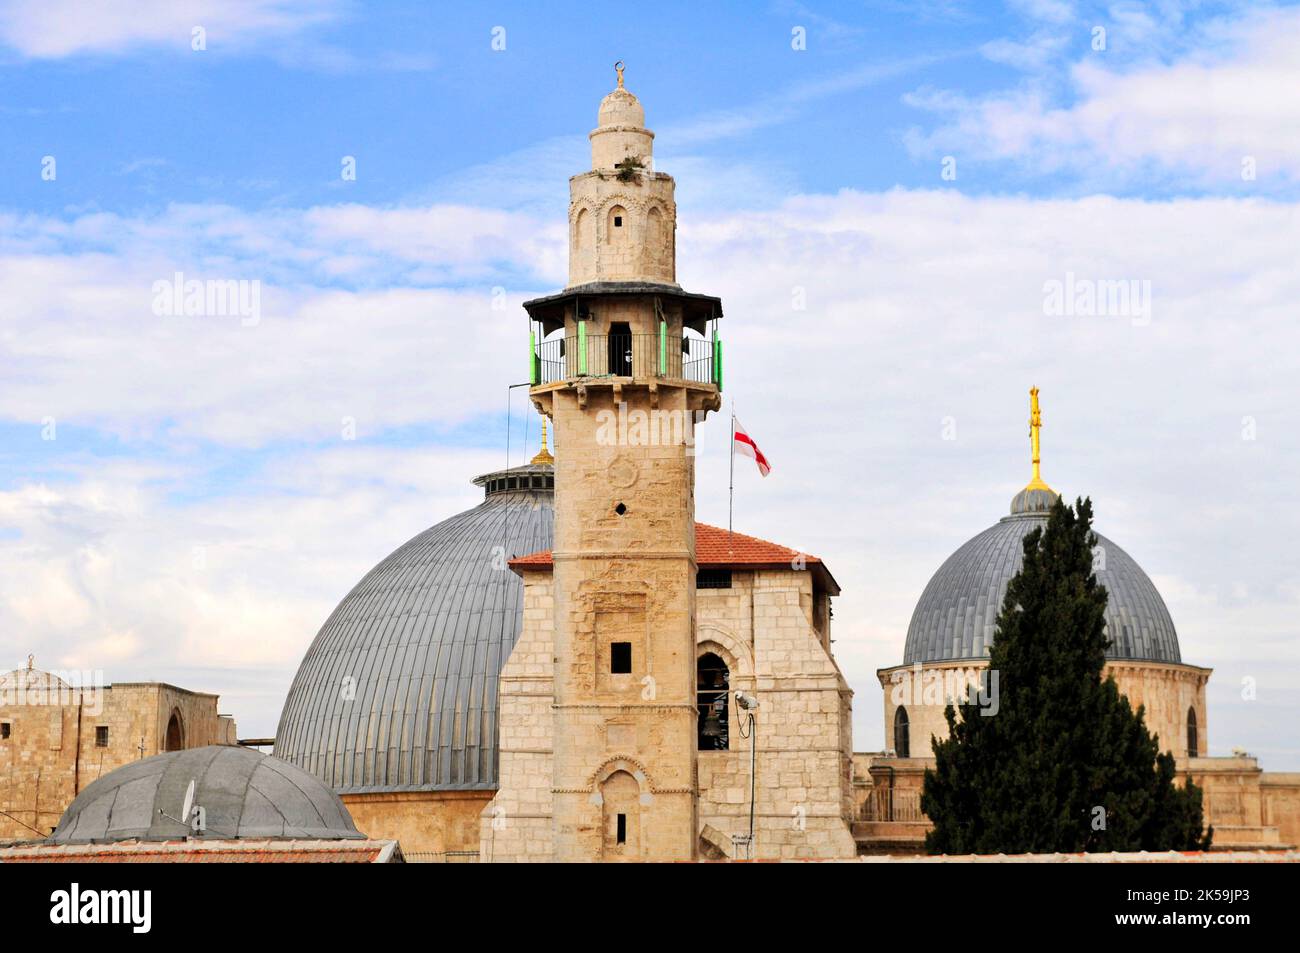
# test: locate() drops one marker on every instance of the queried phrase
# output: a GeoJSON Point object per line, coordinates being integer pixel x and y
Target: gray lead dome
{"type": "Point", "coordinates": [958, 611]}
{"type": "Point", "coordinates": [398, 692]}
{"type": "Point", "coordinates": [243, 793]}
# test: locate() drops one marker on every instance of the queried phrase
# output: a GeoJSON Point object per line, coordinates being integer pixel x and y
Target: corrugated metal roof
{"type": "Point", "coordinates": [398, 692]}
{"type": "Point", "coordinates": [957, 613]}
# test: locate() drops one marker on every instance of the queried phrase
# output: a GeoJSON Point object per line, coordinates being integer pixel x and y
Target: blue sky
{"type": "Point", "coordinates": [203, 504]}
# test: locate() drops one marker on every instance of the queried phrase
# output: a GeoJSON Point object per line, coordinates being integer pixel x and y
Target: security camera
{"type": "Point", "coordinates": [747, 702]}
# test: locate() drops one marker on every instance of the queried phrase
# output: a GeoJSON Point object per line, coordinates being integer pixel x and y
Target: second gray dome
{"type": "Point", "coordinates": [958, 611]}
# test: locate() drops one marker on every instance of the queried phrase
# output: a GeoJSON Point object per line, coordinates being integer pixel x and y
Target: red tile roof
{"type": "Point", "coordinates": [715, 548]}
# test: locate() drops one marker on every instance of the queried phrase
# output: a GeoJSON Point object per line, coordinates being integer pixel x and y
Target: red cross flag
{"type": "Point", "coordinates": [743, 443]}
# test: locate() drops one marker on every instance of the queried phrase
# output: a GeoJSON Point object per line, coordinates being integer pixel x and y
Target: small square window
{"type": "Point", "coordinates": [101, 736]}
{"type": "Point", "coordinates": [4, 730]}
{"type": "Point", "coordinates": [618, 223]}
{"type": "Point", "coordinates": [620, 658]}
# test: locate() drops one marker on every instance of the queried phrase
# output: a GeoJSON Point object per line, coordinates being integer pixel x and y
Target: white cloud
{"type": "Point", "coordinates": [50, 29]}
{"type": "Point", "coordinates": [1225, 93]}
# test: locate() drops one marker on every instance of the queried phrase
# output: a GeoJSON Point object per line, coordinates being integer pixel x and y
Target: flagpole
{"type": "Point", "coordinates": [731, 493]}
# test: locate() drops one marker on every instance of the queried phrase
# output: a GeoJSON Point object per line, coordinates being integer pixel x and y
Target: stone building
{"type": "Point", "coordinates": [56, 738]}
{"type": "Point", "coordinates": [762, 628]}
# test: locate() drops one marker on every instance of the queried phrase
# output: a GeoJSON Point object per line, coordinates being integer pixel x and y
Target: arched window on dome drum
{"type": "Point", "coordinates": [902, 740]}
{"type": "Point", "coordinates": [1193, 740]}
{"type": "Point", "coordinates": [713, 699]}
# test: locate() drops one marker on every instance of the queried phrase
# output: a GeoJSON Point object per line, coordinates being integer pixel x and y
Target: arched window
{"type": "Point", "coordinates": [1192, 739]}
{"type": "Point", "coordinates": [654, 253]}
{"type": "Point", "coordinates": [617, 226]}
{"type": "Point", "coordinates": [175, 733]}
{"type": "Point", "coordinates": [902, 741]}
{"type": "Point", "coordinates": [713, 698]}
{"type": "Point", "coordinates": [620, 800]}
{"type": "Point", "coordinates": [580, 229]}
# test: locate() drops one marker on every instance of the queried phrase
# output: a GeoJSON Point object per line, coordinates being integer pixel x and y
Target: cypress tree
{"type": "Point", "coordinates": [1065, 764]}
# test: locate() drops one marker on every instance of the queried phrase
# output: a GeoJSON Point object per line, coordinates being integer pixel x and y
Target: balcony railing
{"type": "Point", "coordinates": [892, 804]}
{"type": "Point", "coordinates": [636, 356]}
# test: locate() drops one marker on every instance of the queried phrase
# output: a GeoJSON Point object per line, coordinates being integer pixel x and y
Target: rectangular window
{"type": "Point", "coordinates": [622, 829]}
{"type": "Point", "coordinates": [4, 731]}
{"type": "Point", "coordinates": [713, 579]}
{"type": "Point", "coordinates": [620, 658]}
{"type": "Point", "coordinates": [101, 736]}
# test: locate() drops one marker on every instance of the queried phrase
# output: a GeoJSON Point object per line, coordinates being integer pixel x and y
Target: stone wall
{"type": "Point", "coordinates": [1248, 809]}
{"type": "Point", "coordinates": [430, 825]}
{"type": "Point", "coordinates": [763, 629]}
{"type": "Point", "coordinates": [1166, 689]}
{"type": "Point", "coordinates": [517, 824]}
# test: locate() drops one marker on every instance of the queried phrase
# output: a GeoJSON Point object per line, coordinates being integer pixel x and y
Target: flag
{"type": "Point", "coordinates": [744, 444]}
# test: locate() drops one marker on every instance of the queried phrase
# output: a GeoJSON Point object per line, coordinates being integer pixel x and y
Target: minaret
{"type": "Point", "coordinates": [624, 363]}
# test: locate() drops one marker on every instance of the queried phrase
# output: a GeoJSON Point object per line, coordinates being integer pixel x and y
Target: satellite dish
{"type": "Point", "coordinates": [189, 803]}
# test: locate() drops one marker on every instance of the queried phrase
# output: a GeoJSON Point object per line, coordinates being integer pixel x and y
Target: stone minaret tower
{"type": "Point", "coordinates": [625, 364]}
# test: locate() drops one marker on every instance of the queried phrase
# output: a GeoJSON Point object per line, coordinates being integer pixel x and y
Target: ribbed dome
{"type": "Point", "coordinates": [958, 610]}
{"type": "Point", "coordinates": [398, 691]}
{"type": "Point", "coordinates": [243, 793]}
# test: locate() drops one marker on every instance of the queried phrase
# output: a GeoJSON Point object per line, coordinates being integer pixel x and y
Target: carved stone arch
{"type": "Point", "coordinates": [621, 762]}
{"type": "Point", "coordinates": [737, 654]}
{"type": "Point", "coordinates": [580, 218]}
{"type": "Point", "coordinates": [621, 795]}
{"type": "Point", "coordinates": [626, 199]}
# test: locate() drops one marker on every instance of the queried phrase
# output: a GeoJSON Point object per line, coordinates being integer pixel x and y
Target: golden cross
{"type": "Point", "coordinates": [1035, 426]}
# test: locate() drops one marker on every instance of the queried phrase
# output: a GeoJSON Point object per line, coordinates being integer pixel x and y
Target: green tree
{"type": "Point", "coordinates": [1064, 764]}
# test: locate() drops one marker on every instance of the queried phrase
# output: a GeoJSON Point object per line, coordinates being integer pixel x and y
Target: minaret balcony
{"type": "Point", "coordinates": [626, 358]}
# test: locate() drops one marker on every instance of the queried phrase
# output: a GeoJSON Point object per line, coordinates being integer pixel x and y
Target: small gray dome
{"type": "Point", "coordinates": [958, 611]}
{"type": "Point", "coordinates": [1033, 500]}
{"type": "Point", "coordinates": [398, 692]}
{"type": "Point", "coordinates": [243, 793]}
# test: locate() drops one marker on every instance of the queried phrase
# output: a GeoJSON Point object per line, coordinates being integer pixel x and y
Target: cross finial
{"type": "Point", "coordinates": [618, 68]}
{"type": "Point", "coordinates": [1035, 426]}
{"type": "Point", "coordinates": [543, 455]}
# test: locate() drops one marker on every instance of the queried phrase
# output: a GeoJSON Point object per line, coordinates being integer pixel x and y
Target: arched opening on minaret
{"type": "Point", "coordinates": [1193, 741]}
{"type": "Point", "coordinates": [713, 698]}
{"type": "Point", "coordinates": [620, 798]}
{"type": "Point", "coordinates": [618, 227]}
{"type": "Point", "coordinates": [654, 252]}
